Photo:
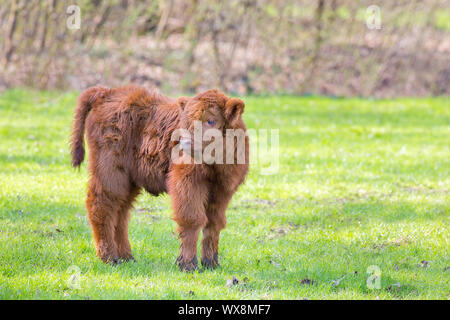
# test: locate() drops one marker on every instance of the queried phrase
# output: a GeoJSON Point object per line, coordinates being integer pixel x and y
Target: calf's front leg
{"type": "Point", "coordinates": [215, 212]}
{"type": "Point", "coordinates": [188, 204]}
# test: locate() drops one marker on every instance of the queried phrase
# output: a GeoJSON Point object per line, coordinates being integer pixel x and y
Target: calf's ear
{"type": "Point", "coordinates": [233, 110]}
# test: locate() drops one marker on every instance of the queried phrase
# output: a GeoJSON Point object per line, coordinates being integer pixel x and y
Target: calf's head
{"type": "Point", "coordinates": [206, 116]}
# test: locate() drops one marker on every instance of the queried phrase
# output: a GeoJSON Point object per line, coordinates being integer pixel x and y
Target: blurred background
{"type": "Point", "coordinates": [328, 47]}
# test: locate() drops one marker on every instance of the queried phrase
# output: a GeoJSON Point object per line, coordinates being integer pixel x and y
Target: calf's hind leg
{"type": "Point", "coordinates": [121, 230]}
{"type": "Point", "coordinates": [103, 216]}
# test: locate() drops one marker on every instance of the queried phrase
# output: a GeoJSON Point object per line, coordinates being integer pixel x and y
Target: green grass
{"type": "Point", "coordinates": [360, 183]}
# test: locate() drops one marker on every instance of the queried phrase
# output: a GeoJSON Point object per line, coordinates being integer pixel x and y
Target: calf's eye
{"type": "Point", "coordinates": [211, 122]}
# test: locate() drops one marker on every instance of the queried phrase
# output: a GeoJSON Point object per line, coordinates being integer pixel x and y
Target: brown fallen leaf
{"type": "Point", "coordinates": [424, 264]}
{"type": "Point", "coordinates": [394, 286]}
{"type": "Point", "coordinates": [232, 282]}
{"type": "Point", "coordinates": [306, 281]}
{"type": "Point", "coordinates": [280, 230]}
{"type": "Point", "coordinates": [336, 282]}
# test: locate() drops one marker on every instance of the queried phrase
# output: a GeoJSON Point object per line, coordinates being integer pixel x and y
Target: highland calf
{"type": "Point", "coordinates": [130, 133]}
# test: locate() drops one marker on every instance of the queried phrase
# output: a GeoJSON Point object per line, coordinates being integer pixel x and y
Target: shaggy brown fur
{"type": "Point", "coordinates": [129, 130]}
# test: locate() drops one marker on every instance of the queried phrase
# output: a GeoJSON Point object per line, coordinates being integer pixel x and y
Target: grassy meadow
{"type": "Point", "coordinates": [363, 185]}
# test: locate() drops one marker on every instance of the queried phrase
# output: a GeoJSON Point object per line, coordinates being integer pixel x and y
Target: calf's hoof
{"type": "Point", "coordinates": [107, 253]}
{"type": "Point", "coordinates": [127, 257]}
{"type": "Point", "coordinates": [187, 266]}
{"type": "Point", "coordinates": [211, 263]}
{"type": "Point", "coordinates": [110, 259]}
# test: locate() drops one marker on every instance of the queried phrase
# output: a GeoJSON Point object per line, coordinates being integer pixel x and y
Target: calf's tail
{"type": "Point", "coordinates": [84, 105]}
